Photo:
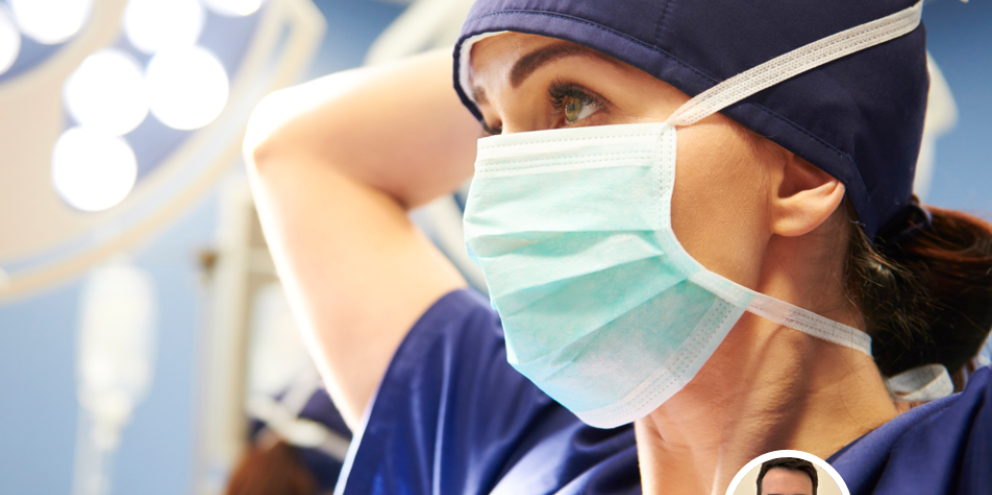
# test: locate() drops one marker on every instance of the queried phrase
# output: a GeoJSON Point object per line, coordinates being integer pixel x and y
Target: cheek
{"type": "Point", "coordinates": [719, 206]}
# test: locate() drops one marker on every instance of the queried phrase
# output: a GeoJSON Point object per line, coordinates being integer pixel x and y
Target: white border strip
{"type": "Point", "coordinates": [465, 63]}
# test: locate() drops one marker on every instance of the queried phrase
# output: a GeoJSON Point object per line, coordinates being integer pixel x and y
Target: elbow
{"type": "Point", "coordinates": [311, 121]}
{"type": "Point", "coordinates": [264, 135]}
{"type": "Point", "coordinates": [293, 123]}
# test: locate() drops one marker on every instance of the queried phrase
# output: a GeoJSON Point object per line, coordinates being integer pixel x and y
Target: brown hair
{"type": "Point", "coordinates": [926, 297]}
{"type": "Point", "coordinates": [792, 464]}
{"type": "Point", "coordinates": [275, 470]}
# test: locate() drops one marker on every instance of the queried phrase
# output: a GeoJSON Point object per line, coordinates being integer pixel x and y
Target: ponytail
{"type": "Point", "coordinates": [927, 297]}
{"type": "Point", "coordinates": [271, 470]}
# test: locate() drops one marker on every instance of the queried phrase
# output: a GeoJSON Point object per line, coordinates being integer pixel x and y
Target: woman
{"type": "Point", "coordinates": [733, 283]}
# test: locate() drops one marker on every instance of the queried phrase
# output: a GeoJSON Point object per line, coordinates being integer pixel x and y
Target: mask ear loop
{"type": "Point", "coordinates": [796, 62]}
{"type": "Point", "coordinates": [765, 76]}
{"type": "Point", "coordinates": [924, 384]}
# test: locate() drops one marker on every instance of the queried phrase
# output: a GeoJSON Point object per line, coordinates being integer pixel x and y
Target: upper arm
{"type": "Point", "coordinates": [335, 163]}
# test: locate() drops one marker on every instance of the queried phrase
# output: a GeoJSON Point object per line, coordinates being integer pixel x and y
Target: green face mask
{"type": "Point", "coordinates": [601, 306]}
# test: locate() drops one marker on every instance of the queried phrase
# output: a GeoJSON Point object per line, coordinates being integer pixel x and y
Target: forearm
{"type": "Point", "coordinates": [398, 128]}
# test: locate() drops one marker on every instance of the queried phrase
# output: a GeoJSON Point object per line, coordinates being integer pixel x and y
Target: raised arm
{"type": "Point", "coordinates": [335, 164]}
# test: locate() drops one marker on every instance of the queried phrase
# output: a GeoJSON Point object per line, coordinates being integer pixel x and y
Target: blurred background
{"type": "Point", "coordinates": [144, 337]}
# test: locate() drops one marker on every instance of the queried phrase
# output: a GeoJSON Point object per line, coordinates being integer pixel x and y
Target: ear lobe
{"type": "Point", "coordinates": [804, 197]}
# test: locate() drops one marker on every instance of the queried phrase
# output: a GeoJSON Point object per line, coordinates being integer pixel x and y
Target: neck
{"type": "Point", "coordinates": [766, 388]}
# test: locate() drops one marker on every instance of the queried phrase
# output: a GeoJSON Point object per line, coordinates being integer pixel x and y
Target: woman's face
{"type": "Point", "coordinates": [526, 82]}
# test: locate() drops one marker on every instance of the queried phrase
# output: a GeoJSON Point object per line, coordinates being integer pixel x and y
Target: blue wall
{"type": "Point", "coordinates": [38, 409]}
{"type": "Point", "coordinates": [37, 393]}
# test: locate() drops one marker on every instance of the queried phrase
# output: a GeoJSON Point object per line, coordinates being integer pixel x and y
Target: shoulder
{"type": "Point", "coordinates": [452, 416]}
{"type": "Point", "coordinates": [447, 395]}
{"type": "Point", "coordinates": [941, 447]}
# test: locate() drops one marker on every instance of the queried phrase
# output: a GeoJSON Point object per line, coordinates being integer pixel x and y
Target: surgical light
{"type": "Point", "coordinates": [153, 25]}
{"type": "Point", "coordinates": [92, 171]}
{"type": "Point", "coordinates": [107, 93]}
{"type": "Point", "coordinates": [10, 40]}
{"type": "Point", "coordinates": [51, 22]}
{"type": "Point", "coordinates": [233, 8]}
{"type": "Point", "coordinates": [188, 87]}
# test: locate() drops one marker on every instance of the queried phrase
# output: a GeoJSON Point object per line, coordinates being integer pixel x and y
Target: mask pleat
{"type": "Point", "coordinates": [651, 331]}
{"type": "Point", "coordinates": [556, 257]}
{"type": "Point", "coordinates": [566, 202]}
{"type": "Point", "coordinates": [557, 314]}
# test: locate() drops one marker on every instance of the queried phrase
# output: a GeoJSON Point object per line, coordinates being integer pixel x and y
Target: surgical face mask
{"type": "Point", "coordinates": [601, 306]}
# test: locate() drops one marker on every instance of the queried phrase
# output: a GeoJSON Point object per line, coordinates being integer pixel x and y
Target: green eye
{"type": "Point", "coordinates": [572, 106]}
{"type": "Point", "coordinates": [571, 103]}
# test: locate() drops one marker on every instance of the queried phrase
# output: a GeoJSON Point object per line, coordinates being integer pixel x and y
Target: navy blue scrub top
{"type": "Point", "coordinates": [451, 416]}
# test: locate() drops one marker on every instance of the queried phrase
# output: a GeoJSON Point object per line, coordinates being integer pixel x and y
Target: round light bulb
{"type": "Point", "coordinates": [92, 171]}
{"type": "Point", "coordinates": [107, 92]}
{"type": "Point", "coordinates": [153, 25]}
{"type": "Point", "coordinates": [10, 40]}
{"type": "Point", "coordinates": [51, 22]}
{"type": "Point", "coordinates": [187, 87]}
{"type": "Point", "coordinates": [233, 8]}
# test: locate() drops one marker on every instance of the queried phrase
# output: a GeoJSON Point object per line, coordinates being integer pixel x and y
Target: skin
{"type": "Point", "coordinates": [336, 163]}
{"type": "Point", "coordinates": [780, 481]}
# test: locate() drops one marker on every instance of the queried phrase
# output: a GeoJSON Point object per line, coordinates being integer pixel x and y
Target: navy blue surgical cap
{"type": "Point", "coordinates": [859, 118]}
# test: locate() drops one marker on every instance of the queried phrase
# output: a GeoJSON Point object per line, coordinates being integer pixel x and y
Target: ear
{"type": "Point", "coordinates": [803, 197]}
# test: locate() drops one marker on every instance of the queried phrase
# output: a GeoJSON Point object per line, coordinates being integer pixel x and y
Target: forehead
{"type": "Point", "coordinates": [508, 45]}
{"type": "Point", "coordinates": [780, 481]}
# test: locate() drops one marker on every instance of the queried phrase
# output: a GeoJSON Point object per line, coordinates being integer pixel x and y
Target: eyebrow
{"type": "Point", "coordinates": [479, 95]}
{"type": "Point", "coordinates": [536, 59]}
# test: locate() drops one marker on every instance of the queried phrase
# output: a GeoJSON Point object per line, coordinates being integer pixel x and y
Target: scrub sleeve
{"type": "Point", "coordinates": [451, 416]}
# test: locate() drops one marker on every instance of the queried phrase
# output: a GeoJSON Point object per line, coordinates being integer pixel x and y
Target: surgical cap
{"type": "Point", "coordinates": [859, 118]}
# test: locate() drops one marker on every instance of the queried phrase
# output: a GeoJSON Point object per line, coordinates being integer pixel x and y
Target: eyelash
{"type": "Point", "coordinates": [490, 131]}
{"type": "Point", "coordinates": [559, 90]}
